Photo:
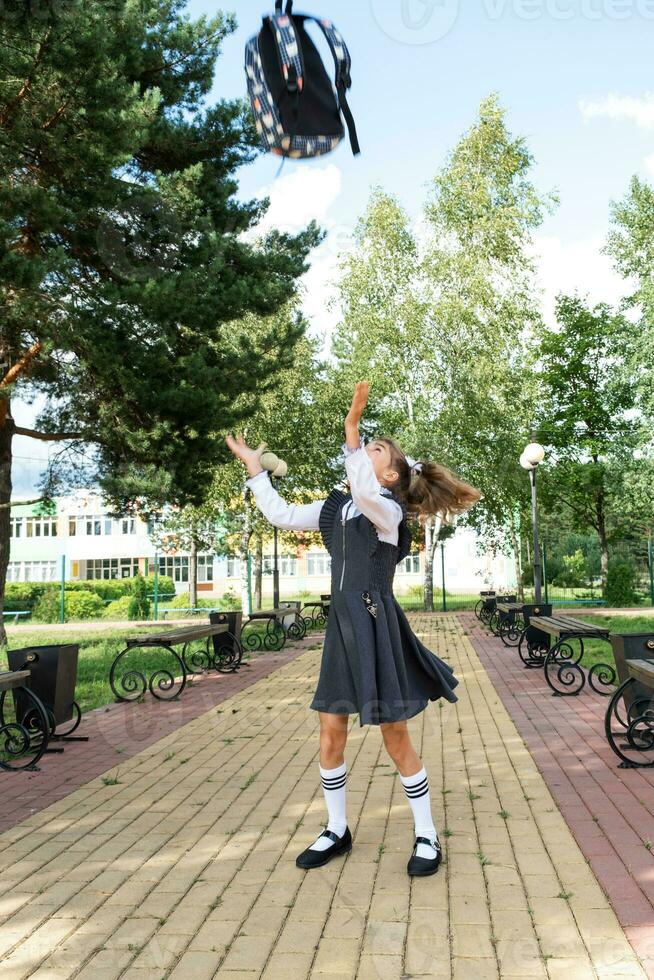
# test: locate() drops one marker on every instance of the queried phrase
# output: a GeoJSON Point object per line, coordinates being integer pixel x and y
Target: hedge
{"type": "Point", "coordinates": [25, 595]}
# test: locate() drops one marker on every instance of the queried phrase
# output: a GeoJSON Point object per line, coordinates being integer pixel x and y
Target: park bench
{"type": "Point", "coordinates": [127, 677]}
{"type": "Point", "coordinates": [484, 608]}
{"type": "Point", "coordinates": [560, 661]}
{"type": "Point", "coordinates": [284, 621]}
{"type": "Point", "coordinates": [16, 613]}
{"type": "Point", "coordinates": [510, 622]}
{"type": "Point", "coordinates": [24, 723]}
{"type": "Point", "coordinates": [319, 611]}
{"type": "Point", "coordinates": [187, 609]}
{"type": "Point", "coordinates": [629, 719]}
{"type": "Point", "coordinates": [497, 617]}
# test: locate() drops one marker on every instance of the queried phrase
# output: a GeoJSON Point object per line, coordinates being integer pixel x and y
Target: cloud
{"type": "Point", "coordinates": [299, 197]}
{"type": "Point", "coordinates": [569, 267]}
{"type": "Point", "coordinates": [295, 199]}
{"type": "Point", "coordinates": [639, 110]}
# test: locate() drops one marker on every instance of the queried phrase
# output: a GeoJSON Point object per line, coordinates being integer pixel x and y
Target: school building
{"type": "Point", "coordinates": [80, 537]}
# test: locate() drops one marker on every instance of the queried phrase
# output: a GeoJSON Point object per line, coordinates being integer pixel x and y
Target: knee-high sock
{"type": "Point", "coordinates": [334, 786]}
{"type": "Point", "coordinates": [416, 788]}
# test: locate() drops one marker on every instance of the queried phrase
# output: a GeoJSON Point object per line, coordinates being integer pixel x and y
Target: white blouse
{"type": "Point", "coordinates": [368, 497]}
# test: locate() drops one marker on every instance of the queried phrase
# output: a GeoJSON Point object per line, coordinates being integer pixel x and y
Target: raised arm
{"type": "Point", "coordinates": [366, 490]}
{"type": "Point", "coordinates": [289, 517]}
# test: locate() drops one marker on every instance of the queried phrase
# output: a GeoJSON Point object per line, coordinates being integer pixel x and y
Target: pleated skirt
{"type": "Point", "coordinates": [374, 665]}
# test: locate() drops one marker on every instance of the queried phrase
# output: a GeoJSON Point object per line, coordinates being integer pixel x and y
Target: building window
{"type": "Point", "coordinates": [128, 525]}
{"type": "Point", "coordinates": [40, 527]}
{"type": "Point", "coordinates": [411, 564]}
{"type": "Point", "coordinates": [287, 565]}
{"type": "Point", "coordinates": [15, 527]}
{"type": "Point", "coordinates": [205, 568]}
{"type": "Point", "coordinates": [319, 563]}
{"type": "Point", "coordinates": [111, 568]}
{"type": "Point", "coordinates": [233, 568]}
{"type": "Point", "coordinates": [72, 527]}
{"type": "Point", "coordinates": [35, 571]}
{"type": "Point", "coordinates": [108, 525]}
{"type": "Point", "coordinates": [94, 525]}
{"type": "Point", "coordinates": [174, 568]}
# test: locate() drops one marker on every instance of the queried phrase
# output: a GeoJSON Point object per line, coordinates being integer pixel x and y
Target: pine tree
{"type": "Point", "coordinates": [123, 267]}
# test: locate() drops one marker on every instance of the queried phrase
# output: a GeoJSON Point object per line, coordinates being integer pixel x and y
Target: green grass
{"type": "Point", "coordinates": [598, 651]}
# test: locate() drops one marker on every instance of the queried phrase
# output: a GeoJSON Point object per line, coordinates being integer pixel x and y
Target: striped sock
{"type": "Point", "coordinates": [333, 785]}
{"type": "Point", "coordinates": [416, 788]}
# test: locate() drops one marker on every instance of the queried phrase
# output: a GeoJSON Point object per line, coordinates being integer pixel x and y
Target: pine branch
{"type": "Point", "coordinates": [21, 503]}
{"type": "Point", "coordinates": [46, 436]}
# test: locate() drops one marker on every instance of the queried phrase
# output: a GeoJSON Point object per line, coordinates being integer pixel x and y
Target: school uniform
{"type": "Point", "coordinates": [372, 663]}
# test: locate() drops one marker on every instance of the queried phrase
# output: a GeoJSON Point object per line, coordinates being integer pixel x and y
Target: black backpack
{"type": "Point", "coordinates": [296, 111]}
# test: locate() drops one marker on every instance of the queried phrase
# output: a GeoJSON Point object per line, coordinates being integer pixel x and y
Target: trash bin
{"type": "Point", "coordinates": [53, 675]}
{"type": "Point", "coordinates": [227, 646]}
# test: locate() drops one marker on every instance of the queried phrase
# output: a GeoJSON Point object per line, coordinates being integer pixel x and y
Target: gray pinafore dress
{"type": "Point", "coordinates": [372, 662]}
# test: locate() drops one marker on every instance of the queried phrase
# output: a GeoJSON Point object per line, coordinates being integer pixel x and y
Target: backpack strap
{"type": "Point", "coordinates": [288, 47]}
{"type": "Point", "coordinates": [343, 81]}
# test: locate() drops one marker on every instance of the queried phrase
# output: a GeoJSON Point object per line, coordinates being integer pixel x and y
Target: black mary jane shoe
{"type": "Point", "coordinates": [313, 858]}
{"type": "Point", "coordinates": [425, 866]}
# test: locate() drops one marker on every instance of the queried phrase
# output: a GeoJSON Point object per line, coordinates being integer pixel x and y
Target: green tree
{"type": "Point", "coordinates": [123, 267]}
{"type": "Point", "coordinates": [587, 399]}
{"type": "Point", "coordinates": [441, 323]}
{"type": "Point", "coordinates": [631, 244]}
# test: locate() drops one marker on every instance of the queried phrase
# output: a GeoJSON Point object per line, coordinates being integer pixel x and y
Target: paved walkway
{"type": "Point", "coordinates": [609, 810]}
{"type": "Point", "coordinates": [121, 730]}
{"type": "Point", "coordinates": [184, 867]}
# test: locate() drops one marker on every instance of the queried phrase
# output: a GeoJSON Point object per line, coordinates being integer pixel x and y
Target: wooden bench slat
{"type": "Point", "coordinates": [10, 679]}
{"type": "Point", "coordinates": [176, 636]}
{"type": "Point", "coordinates": [562, 625]}
{"type": "Point", "coordinates": [642, 670]}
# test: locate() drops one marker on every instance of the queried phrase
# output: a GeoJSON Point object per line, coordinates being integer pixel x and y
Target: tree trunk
{"type": "Point", "coordinates": [193, 574]}
{"type": "Point", "coordinates": [6, 433]}
{"type": "Point", "coordinates": [515, 544]}
{"type": "Point", "coordinates": [428, 583]}
{"type": "Point", "coordinates": [603, 542]}
{"type": "Point", "coordinates": [258, 573]}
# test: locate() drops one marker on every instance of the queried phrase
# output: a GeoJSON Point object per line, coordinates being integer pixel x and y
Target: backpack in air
{"type": "Point", "coordinates": [296, 107]}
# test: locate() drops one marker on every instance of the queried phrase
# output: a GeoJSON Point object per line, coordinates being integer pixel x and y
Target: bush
{"type": "Point", "coordinates": [80, 604]}
{"type": "Point", "coordinates": [118, 609]}
{"type": "Point", "coordinates": [47, 607]}
{"type": "Point", "coordinates": [229, 600]}
{"type": "Point", "coordinates": [83, 605]}
{"type": "Point", "coordinates": [573, 573]}
{"type": "Point", "coordinates": [139, 604]}
{"type": "Point", "coordinates": [24, 595]}
{"type": "Point", "coordinates": [621, 583]}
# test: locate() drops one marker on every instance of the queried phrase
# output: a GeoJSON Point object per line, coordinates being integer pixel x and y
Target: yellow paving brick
{"type": "Point", "coordinates": [337, 956]}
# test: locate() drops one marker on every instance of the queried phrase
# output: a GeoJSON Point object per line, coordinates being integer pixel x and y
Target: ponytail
{"type": "Point", "coordinates": [435, 490]}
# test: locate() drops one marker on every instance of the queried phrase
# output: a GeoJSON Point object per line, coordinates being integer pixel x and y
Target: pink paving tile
{"type": "Point", "coordinates": [565, 736]}
{"type": "Point", "coordinates": [121, 730]}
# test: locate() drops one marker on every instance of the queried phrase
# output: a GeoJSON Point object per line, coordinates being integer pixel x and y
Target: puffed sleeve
{"type": "Point", "coordinates": [367, 493]}
{"type": "Point", "coordinates": [289, 517]}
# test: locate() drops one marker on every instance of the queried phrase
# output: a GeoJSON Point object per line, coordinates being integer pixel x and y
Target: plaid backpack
{"type": "Point", "coordinates": [297, 110]}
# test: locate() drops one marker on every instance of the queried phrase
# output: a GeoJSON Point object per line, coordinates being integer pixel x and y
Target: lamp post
{"type": "Point", "coordinates": [532, 456]}
{"type": "Point", "coordinates": [275, 565]}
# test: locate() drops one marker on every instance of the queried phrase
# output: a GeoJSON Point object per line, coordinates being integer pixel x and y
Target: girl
{"type": "Point", "coordinates": [372, 662]}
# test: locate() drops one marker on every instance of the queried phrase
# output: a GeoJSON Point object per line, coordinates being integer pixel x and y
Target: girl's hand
{"type": "Point", "coordinates": [251, 457]}
{"type": "Point", "coordinates": [359, 401]}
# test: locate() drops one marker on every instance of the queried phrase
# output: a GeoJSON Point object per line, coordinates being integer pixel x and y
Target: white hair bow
{"type": "Point", "coordinates": [415, 467]}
